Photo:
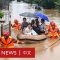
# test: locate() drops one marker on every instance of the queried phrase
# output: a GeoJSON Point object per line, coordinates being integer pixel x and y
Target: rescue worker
{"type": "Point", "coordinates": [7, 41]}
{"type": "Point", "coordinates": [53, 31]}
{"type": "Point", "coordinates": [16, 25]}
{"type": "Point", "coordinates": [59, 33]}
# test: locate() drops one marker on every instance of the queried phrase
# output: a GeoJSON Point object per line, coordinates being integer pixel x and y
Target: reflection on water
{"type": "Point", "coordinates": [47, 49]}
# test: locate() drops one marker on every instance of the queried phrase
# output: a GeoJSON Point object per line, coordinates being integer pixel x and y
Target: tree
{"type": "Point", "coordinates": [58, 5]}
{"type": "Point", "coordinates": [1, 14]}
{"type": "Point", "coordinates": [45, 3]}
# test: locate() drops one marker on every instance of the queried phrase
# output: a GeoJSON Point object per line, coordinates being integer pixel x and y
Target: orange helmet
{"type": "Point", "coordinates": [15, 20]}
{"type": "Point", "coordinates": [6, 33]}
{"type": "Point", "coordinates": [52, 23]}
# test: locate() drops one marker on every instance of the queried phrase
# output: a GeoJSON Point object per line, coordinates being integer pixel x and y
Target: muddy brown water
{"type": "Point", "coordinates": [48, 49]}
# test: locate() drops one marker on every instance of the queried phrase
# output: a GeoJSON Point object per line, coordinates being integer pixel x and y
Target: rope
{"type": "Point", "coordinates": [53, 44]}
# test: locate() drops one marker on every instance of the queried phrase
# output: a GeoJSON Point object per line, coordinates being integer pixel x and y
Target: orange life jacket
{"type": "Point", "coordinates": [59, 33]}
{"type": "Point", "coordinates": [17, 26]}
{"type": "Point", "coordinates": [53, 32]}
{"type": "Point", "coordinates": [8, 42]}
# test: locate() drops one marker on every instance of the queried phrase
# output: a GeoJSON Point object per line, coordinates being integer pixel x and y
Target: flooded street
{"type": "Point", "coordinates": [45, 50]}
{"type": "Point", "coordinates": [53, 16]}
{"type": "Point", "coordinates": [48, 49]}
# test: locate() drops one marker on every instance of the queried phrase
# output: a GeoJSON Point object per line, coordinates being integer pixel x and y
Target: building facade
{"type": "Point", "coordinates": [4, 4]}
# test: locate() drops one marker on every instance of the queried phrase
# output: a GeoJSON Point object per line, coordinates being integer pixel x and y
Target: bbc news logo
{"type": "Point", "coordinates": [17, 52]}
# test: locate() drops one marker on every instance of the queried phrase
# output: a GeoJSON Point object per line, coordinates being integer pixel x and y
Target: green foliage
{"type": "Point", "coordinates": [1, 14]}
{"type": "Point", "coordinates": [48, 4]}
{"type": "Point", "coordinates": [45, 3]}
{"type": "Point", "coordinates": [58, 5]}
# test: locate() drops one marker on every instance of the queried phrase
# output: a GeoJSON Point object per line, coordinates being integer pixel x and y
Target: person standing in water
{"type": "Point", "coordinates": [53, 30]}
{"type": "Point", "coordinates": [7, 41]}
{"type": "Point", "coordinates": [16, 25]}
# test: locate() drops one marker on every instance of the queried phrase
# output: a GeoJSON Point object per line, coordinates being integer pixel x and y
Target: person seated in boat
{"type": "Point", "coordinates": [43, 27]}
{"type": "Point", "coordinates": [37, 29]}
{"type": "Point", "coordinates": [16, 25]}
{"type": "Point", "coordinates": [53, 30]}
{"type": "Point", "coordinates": [32, 23]}
{"type": "Point", "coordinates": [29, 30]}
{"type": "Point", "coordinates": [7, 41]}
{"type": "Point", "coordinates": [24, 24]}
{"type": "Point", "coordinates": [35, 26]}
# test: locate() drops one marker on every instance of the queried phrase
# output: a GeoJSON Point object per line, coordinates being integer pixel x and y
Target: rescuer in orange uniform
{"type": "Point", "coordinates": [53, 31]}
{"type": "Point", "coordinates": [7, 41]}
{"type": "Point", "coordinates": [16, 25]}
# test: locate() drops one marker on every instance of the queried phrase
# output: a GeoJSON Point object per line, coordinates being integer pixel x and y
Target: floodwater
{"type": "Point", "coordinates": [48, 49]}
{"type": "Point", "coordinates": [53, 15]}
